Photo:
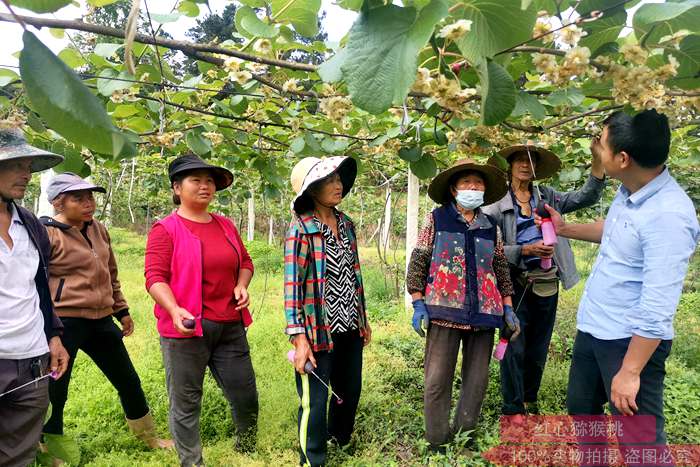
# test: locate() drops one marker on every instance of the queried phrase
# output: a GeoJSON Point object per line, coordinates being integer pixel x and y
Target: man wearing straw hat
{"type": "Point", "coordinates": [459, 281]}
{"type": "Point", "coordinates": [30, 346]}
{"type": "Point", "coordinates": [536, 268]}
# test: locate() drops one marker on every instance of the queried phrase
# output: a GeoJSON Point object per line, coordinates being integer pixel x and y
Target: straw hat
{"type": "Point", "coordinates": [13, 145]}
{"type": "Point", "coordinates": [495, 180]}
{"type": "Point", "coordinates": [312, 169]}
{"type": "Point", "coordinates": [546, 162]}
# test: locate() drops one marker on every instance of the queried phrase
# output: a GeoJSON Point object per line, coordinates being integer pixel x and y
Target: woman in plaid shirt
{"type": "Point", "coordinates": [324, 303]}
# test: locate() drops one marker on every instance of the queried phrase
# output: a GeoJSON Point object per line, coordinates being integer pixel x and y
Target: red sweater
{"type": "Point", "coordinates": [219, 269]}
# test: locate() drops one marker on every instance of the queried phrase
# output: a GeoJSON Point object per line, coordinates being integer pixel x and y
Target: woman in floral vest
{"type": "Point", "coordinates": [460, 284]}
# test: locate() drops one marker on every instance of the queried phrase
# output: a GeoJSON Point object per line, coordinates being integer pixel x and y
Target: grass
{"type": "Point", "coordinates": [389, 425]}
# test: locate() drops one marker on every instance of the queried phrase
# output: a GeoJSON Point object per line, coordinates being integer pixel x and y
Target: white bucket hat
{"type": "Point", "coordinates": [312, 169]}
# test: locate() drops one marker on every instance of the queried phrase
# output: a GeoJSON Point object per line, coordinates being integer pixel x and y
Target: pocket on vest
{"type": "Point", "coordinates": [447, 282]}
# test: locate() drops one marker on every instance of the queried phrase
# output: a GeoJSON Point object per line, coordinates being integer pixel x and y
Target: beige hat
{"type": "Point", "coordinates": [312, 169]}
{"type": "Point", "coordinates": [495, 180]}
{"type": "Point", "coordinates": [546, 164]}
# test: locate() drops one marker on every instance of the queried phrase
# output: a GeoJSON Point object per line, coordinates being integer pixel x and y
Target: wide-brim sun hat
{"type": "Point", "coordinates": [494, 179]}
{"type": "Point", "coordinates": [13, 145]}
{"type": "Point", "coordinates": [312, 169]}
{"type": "Point", "coordinates": [546, 162]}
{"type": "Point", "coordinates": [223, 178]}
{"type": "Point", "coordinates": [68, 182]}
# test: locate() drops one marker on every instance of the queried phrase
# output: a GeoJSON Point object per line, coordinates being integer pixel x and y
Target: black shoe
{"type": "Point", "coordinates": [437, 449]}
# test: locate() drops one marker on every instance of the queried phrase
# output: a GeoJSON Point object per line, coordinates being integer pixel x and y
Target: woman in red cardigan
{"type": "Point", "coordinates": [198, 271]}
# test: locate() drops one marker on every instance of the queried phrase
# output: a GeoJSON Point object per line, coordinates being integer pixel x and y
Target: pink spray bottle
{"type": "Point", "coordinates": [549, 234]}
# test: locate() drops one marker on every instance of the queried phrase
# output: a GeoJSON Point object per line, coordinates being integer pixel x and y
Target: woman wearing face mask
{"type": "Point", "coordinates": [198, 272]}
{"type": "Point", "coordinates": [87, 296]}
{"type": "Point", "coordinates": [324, 304]}
{"type": "Point", "coordinates": [459, 281]}
{"type": "Point", "coordinates": [536, 288]}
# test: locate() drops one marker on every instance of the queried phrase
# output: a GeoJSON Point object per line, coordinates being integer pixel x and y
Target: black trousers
{"type": "Point", "coordinates": [317, 423]}
{"type": "Point", "coordinates": [522, 366]}
{"type": "Point", "coordinates": [101, 340]}
{"type": "Point", "coordinates": [594, 364]}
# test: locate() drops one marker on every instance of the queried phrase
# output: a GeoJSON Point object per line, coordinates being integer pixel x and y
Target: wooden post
{"type": "Point", "coordinates": [412, 204]}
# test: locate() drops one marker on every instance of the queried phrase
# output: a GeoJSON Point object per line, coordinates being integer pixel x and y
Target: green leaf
{"type": "Point", "coordinates": [381, 64]}
{"type": "Point", "coordinates": [139, 124]}
{"type": "Point", "coordinates": [100, 3]}
{"type": "Point", "coordinates": [125, 110]}
{"type": "Point", "coordinates": [353, 5]}
{"type": "Point", "coordinates": [63, 447]}
{"type": "Point", "coordinates": [107, 86]}
{"type": "Point", "coordinates": [653, 21]}
{"type": "Point", "coordinates": [328, 145]}
{"type": "Point", "coordinates": [529, 103]}
{"type": "Point", "coordinates": [496, 26]}
{"type": "Point", "coordinates": [7, 76]}
{"type": "Point", "coordinates": [40, 6]}
{"type": "Point", "coordinates": [65, 104]}
{"type": "Point", "coordinates": [425, 167]}
{"type": "Point", "coordinates": [35, 122]}
{"type": "Point", "coordinates": [688, 56]}
{"type": "Point", "coordinates": [497, 92]}
{"type": "Point", "coordinates": [312, 143]}
{"type": "Point", "coordinates": [303, 14]}
{"type": "Point", "coordinates": [71, 57]}
{"type": "Point", "coordinates": [106, 49]}
{"type": "Point", "coordinates": [411, 154]}
{"type": "Point", "coordinates": [567, 97]}
{"type": "Point", "coordinates": [440, 138]}
{"type": "Point", "coordinates": [603, 31]}
{"type": "Point", "coordinates": [73, 162]}
{"type": "Point", "coordinates": [570, 175]}
{"type": "Point", "coordinates": [330, 70]}
{"type": "Point", "coordinates": [164, 18]}
{"type": "Point", "coordinates": [254, 3]}
{"type": "Point", "coordinates": [248, 24]}
{"type": "Point", "coordinates": [57, 33]}
{"type": "Point", "coordinates": [197, 143]}
{"type": "Point", "coordinates": [188, 8]}
{"type": "Point", "coordinates": [297, 144]}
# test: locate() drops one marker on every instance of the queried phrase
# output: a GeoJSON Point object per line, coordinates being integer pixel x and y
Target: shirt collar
{"type": "Point", "coordinates": [648, 190]}
{"type": "Point", "coordinates": [15, 214]}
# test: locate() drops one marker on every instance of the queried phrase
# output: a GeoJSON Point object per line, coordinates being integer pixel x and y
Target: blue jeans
{"type": "Point", "coordinates": [594, 364]}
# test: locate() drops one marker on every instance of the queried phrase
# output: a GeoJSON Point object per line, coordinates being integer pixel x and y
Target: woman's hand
{"type": "Point", "coordinates": [302, 353]}
{"type": "Point", "coordinates": [240, 292]}
{"type": "Point", "coordinates": [127, 325]}
{"type": "Point", "coordinates": [538, 249]}
{"type": "Point", "coordinates": [178, 314]}
{"type": "Point", "coordinates": [367, 337]}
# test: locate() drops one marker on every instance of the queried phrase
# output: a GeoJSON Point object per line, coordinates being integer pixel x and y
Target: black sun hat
{"type": "Point", "coordinates": [223, 178]}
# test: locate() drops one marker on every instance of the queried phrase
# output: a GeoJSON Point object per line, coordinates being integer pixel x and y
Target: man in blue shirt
{"type": "Point", "coordinates": [625, 317]}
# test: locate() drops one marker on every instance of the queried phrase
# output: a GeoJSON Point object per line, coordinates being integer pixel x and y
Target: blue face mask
{"type": "Point", "coordinates": [470, 199]}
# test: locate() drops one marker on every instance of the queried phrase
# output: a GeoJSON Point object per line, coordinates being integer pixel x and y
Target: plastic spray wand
{"type": "Point", "coordinates": [51, 374]}
{"type": "Point", "coordinates": [309, 368]}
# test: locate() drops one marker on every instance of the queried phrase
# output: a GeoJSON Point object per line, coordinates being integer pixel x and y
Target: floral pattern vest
{"type": "Point", "coordinates": [461, 283]}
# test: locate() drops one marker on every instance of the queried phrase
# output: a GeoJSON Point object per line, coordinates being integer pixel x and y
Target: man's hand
{"type": "Point", "coordinates": [177, 315]}
{"type": "Point", "coordinates": [240, 292]}
{"type": "Point", "coordinates": [59, 357]}
{"type": "Point", "coordinates": [127, 325]}
{"type": "Point", "coordinates": [538, 249]}
{"type": "Point", "coordinates": [302, 353]}
{"type": "Point", "coordinates": [623, 391]}
{"type": "Point", "coordinates": [557, 220]}
{"type": "Point", "coordinates": [596, 161]}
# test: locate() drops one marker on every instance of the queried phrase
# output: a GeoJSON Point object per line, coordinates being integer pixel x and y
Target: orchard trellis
{"type": "Point", "coordinates": [426, 81]}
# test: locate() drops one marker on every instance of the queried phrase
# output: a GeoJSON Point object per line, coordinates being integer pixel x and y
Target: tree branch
{"type": "Point", "coordinates": [189, 48]}
{"type": "Point", "coordinates": [581, 115]}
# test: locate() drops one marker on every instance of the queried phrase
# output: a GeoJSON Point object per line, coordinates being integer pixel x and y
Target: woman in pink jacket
{"type": "Point", "coordinates": [198, 271]}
